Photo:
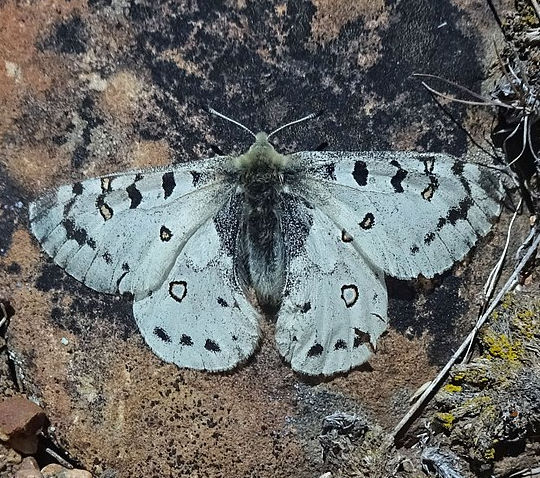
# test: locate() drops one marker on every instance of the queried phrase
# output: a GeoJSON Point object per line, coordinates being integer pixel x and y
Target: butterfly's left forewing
{"type": "Point", "coordinates": [334, 305]}
{"type": "Point", "coordinates": [408, 213]}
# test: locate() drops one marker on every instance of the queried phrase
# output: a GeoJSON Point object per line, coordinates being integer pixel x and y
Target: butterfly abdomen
{"type": "Point", "coordinates": [261, 241]}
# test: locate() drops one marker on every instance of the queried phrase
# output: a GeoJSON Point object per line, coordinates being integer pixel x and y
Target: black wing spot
{"type": "Point", "coordinates": [168, 184]}
{"type": "Point", "coordinates": [165, 234]}
{"type": "Point", "coordinates": [134, 195]}
{"type": "Point", "coordinates": [360, 173]}
{"type": "Point", "coordinates": [138, 177]}
{"type": "Point", "coordinates": [107, 257]}
{"type": "Point", "coordinates": [414, 249]}
{"type": "Point", "coordinates": [315, 351]}
{"type": "Point", "coordinates": [330, 171]}
{"type": "Point", "coordinates": [458, 168]}
{"type": "Point", "coordinates": [340, 345]}
{"type": "Point", "coordinates": [429, 164]}
{"type": "Point", "coordinates": [397, 179]}
{"type": "Point", "coordinates": [186, 340]}
{"type": "Point", "coordinates": [368, 222]}
{"type": "Point", "coordinates": [428, 192]}
{"type": "Point", "coordinates": [196, 178]}
{"type": "Point", "coordinates": [349, 294]}
{"type": "Point", "coordinates": [91, 243]}
{"type": "Point", "coordinates": [125, 267]}
{"type": "Point", "coordinates": [106, 185]}
{"type": "Point", "coordinates": [73, 232]}
{"type": "Point", "coordinates": [306, 307]}
{"type": "Point", "coordinates": [178, 290]}
{"type": "Point", "coordinates": [234, 337]}
{"type": "Point", "coordinates": [360, 338]}
{"type": "Point", "coordinates": [77, 188]}
{"type": "Point", "coordinates": [221, 301]}
{"type": "Point", "coordinates": [460, 212]}
{"type": "Point", "coordinates": [345, 236]}
{"type": "Point", "coordinates": [160, 333]}
{"type": "Point", "coordinates": [211, 346]}
{"type": "Point", "coordinates": [68, 206]}
{"type": "Point", "coordinates": [429, 238]}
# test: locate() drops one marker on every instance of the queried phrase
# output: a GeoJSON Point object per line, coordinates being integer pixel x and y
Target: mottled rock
{"type": "Point", "coordinates": [9, 458]}
{"type": "Point", "coordinates": [20, 421]}
{"type": "Point", "coordinates": [29, 469]}
{"type": "Point", "coordinates": [29, 463]}
{"type": "Point", "coordinates": [28, 474]}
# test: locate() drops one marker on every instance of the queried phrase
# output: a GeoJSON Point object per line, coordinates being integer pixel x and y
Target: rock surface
{"type": "Point", "coordinates": [88, 88]}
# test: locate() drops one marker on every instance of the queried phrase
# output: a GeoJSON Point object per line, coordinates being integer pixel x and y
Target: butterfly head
{"type": "Point", "coordinates": [261, 156]}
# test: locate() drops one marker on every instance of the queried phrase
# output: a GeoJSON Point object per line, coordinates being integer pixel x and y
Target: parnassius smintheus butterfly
{"type": "Point", "coordinates": [308, 237]}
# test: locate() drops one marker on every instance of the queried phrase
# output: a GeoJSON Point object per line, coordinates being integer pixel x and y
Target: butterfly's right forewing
{"type": "Point", "coordinates": [122, 233]}
{"type": "Point", "coordinates": [408, 213]}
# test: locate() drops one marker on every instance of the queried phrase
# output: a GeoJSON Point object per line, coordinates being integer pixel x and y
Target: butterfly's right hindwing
{"type": "Point", "coordinates": [334, 306]}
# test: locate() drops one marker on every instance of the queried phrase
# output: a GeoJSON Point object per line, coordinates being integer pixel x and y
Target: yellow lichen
{"type": "Point", "coordinates": [507, 302]}
{"type": "Point", "coordinates": [501, 346]}
{"type": "Point", "coordinates": [446, 419]}
{"type": "Point", "coordinates": [527, 323]}
{"type": "Point", "coordinates": [450, 388]}
{"type": "Point", "coordinates": [490, 454]}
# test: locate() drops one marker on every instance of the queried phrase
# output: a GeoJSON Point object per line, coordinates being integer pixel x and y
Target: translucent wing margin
{"type": "Point", "coordinates": [407, 213]}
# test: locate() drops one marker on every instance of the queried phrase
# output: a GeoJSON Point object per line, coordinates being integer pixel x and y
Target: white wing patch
{"type": "Point", "coordinates": [408, 213]}
{"type": "Point", "coordinates": [199, 318]}
{"type": "Point", "coordinates": [334, 307]}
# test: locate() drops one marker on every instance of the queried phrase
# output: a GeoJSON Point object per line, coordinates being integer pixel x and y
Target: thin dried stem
{"type": "Point", "coordinates": [496, 271]}
{"type": "Point", "coordinates": [485, 101]}
{"type": "Point", "coordinates": [402, 426]}
{"type": "Point", "coordinates": [536, 7]}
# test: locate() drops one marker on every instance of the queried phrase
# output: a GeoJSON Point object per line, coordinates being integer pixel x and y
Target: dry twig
{"type": "Point", "coordinates": [407, 419]}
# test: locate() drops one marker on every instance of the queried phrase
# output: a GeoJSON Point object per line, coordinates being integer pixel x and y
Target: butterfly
{"type": "Point", "coordinates": [205, 248]}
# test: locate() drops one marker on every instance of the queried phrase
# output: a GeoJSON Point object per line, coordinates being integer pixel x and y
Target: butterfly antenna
{"type": "Point", "coordinates": [305, 118]}
{"type": "Point", "coordinates": [217, 113]}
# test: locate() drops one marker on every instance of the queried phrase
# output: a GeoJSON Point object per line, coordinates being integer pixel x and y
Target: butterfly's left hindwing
{"type": "Point", "coordinates": [199, 317]}
{"type": "Point", "coordinates": [334, 306]}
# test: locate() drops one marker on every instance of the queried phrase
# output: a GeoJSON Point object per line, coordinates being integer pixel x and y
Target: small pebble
{"type": "Point", "coordinates": [58, 471]}
{"type": "Point", "coordinates": [20, 421]}
{"type": "Point", "coordinates": [29, 463]}
{"type": "Point", "coordinates": [28, 474]}
{"type": "Point", "coordinates": [64, 341]}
